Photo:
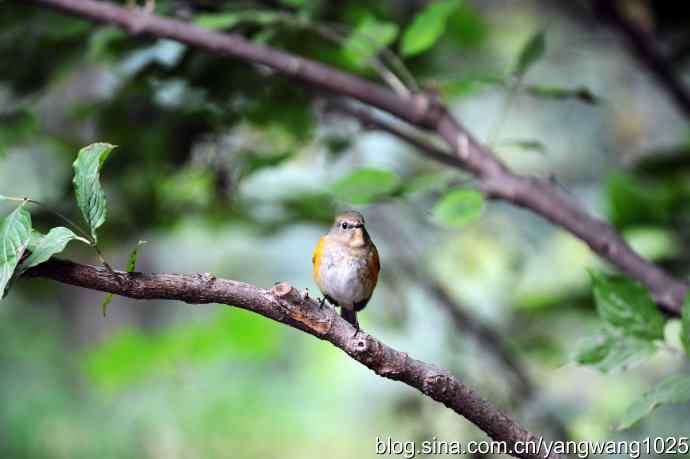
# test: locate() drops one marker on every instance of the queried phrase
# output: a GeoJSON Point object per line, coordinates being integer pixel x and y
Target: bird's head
{"type": "Point", "coordinates": [348, 228]}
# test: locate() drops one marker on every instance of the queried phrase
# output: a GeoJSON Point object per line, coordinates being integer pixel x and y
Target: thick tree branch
{"type": "Point", "coordinates": [283, 303]}
{"type": "Point", "coordinates": [420, 110]}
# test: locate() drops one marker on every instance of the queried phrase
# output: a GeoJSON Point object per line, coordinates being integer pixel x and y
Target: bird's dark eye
{"type": "Point", "coordinates": [343, 225]}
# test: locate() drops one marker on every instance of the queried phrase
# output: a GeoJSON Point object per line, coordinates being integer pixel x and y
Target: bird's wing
{"type": "Point", "coordinates": [374, 263]}
{"type": "Point", "coordinates": [316, 257]}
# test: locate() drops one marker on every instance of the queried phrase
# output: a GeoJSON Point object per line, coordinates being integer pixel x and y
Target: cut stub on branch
{"type": "Point", "coordinates": [301, 309]}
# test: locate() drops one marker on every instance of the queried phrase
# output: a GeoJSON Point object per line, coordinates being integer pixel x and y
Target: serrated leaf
{"type": "Point", "coordinates": [675, 389]}
{"type": "Point", "coordinates": [15, 234]}
{"type": "Point", "coordinates": [46, 246]}
{"type": "Point", "coordinates": [459, 207]}
{"type": "Point", "coordinates": [366, 185]}
{"type": "Point", "coordinates": [368, 38]}
{"type": "Point", "coordinates": [427, 27]}
{"type": "Point", "coordinates": [608, 352]}
{"type": "Point", "coordinates": [87, 185]}
{"type": "Point", "coordinates": [131, 267]}
{"type": "Point", "coordinates": [685, 329]}
{"type": "Point", "coordinates": [627, 306]}
{"type": "Point", "coordinates": [532, 51]}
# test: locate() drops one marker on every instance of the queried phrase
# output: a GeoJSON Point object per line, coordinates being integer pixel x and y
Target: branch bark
{"type": "Point", "coordinates": [495, 180]}
{"type": "Point", "coordinates": [284, 304]}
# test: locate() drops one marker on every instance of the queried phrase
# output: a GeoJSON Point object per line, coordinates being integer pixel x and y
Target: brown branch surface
{"type": "Point", "coordinates": [283, 303]}
{"type": "Point", "coordinates": [495, 180]}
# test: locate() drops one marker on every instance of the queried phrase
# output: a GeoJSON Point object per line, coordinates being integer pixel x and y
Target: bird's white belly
{"type": "Point", "coordinates": [343, 283]}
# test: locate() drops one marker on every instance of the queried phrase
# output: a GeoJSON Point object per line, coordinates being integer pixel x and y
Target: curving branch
{"type": "Point", "coordinates": [422, 111]}
{"type": "Point", "coordinates": [284, 304]}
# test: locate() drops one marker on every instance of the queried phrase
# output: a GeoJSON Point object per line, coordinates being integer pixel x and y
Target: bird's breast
{"type": "Point", "coordinates": [345, 275]}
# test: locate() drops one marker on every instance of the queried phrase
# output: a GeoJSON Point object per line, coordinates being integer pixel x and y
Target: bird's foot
{"type": "Point", "coordinates": [322, 301]}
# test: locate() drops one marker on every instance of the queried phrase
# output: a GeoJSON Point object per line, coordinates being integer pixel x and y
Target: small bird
{"type": "Point", "coordinates": [346, 265]}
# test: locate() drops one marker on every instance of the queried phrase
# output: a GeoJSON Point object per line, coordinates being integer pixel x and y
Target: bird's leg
{"type": "Point", "coordinates": [322, 300]}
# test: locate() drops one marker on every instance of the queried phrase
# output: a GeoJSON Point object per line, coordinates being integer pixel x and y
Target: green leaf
{"type": "Point", "coordinates": [675, 389]}
{"type": "Point", "coordinates": [627, 306]}
{"type": "Point", "coordinates": [426, 183]}
{"type": "Point", "coordinates": [368, 38]}
{"type": "Point", "coordinates": [131, 267]}
{"type": "Point", "coordinates": [609, 352]}
{"type": "Point", "coordinates": [44, 247]}
{"type": "Point", "coordinates": [366, 185]}
{"type": "Point", "coordinates": [427, 27]}
{"type": "Point", "coordinates": [459, 207]}
{"type": "Point", "coordinates": [652, 242]}
{"type": "Point", "coordinates": [132, 262]}
{"type": "Point", "coordinates": [531, 53]}
{"type": "Point", "coordinates": [228, 20]}
{"type": "Point", "coordinates": [87, 185]}
{"type": "Point", "coordinates": [685, 321]}
{"type": "Point", "coordinates": [15, 234]}
{"type": "Point", "coordinates": [106, 301]}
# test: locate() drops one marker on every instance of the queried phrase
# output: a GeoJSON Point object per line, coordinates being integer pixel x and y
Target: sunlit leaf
{"type": "Point", "coordinates": [15, 234]}
{"type": "Point", "coordinates": [627, 306]}
{"type": "Point", "coordinates": [459, 207]}
{"type": "Point", "coordinates": [368, 38]}
{"type": "Point", "coordinates": [427, 27]}
{"type": "Point", "coordinates": [366, 185]}
{"type": "Point", "coordinates": [46, 246]}
{"type": "Point", "coordinates": [675, 389]}
{"type": "Point", "coordinates": [530, 53]}
{"type": "Point", "coordinates": [87, 185]}
{"type": "Point", "coordinates": [609, 352]}
{"type": "Point", "coordinates": [652, 242]}
{"type": "Point", "coordinates": [685, 329]}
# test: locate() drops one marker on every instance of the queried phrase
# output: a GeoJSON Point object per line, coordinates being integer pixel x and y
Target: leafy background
{"type": "Point", "coordinates": [224, 168]}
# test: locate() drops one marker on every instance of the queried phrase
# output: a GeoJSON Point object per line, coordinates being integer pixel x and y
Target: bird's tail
{"type": "Point", "coordinates": [350, 316]}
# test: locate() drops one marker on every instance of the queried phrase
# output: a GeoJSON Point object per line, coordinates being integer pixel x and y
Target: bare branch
{"type": "Point", "coordinates": [422, 111]}
{"type": "Point", "coordinates": [284, 304]}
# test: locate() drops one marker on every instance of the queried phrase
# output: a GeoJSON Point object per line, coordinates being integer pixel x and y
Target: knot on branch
{"type": "Point", "coordinates": [437, 385]}
{"type": "Point", "coordinates": [301, 308]}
